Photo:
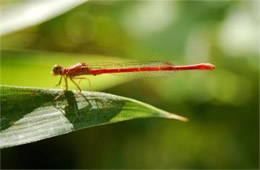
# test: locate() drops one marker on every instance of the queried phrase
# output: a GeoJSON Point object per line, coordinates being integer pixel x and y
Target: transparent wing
{"type": "Point", "coordinates": [136, 74]}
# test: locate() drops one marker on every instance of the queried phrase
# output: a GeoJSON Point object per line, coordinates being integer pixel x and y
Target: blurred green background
{"type": "Point", "coordinates": [222, 105]}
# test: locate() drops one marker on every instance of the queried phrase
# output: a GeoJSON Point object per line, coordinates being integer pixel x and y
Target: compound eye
{"type": "Point", "coordinates": [57, 69]}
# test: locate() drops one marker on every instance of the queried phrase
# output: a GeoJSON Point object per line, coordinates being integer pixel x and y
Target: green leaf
{"type": "Point", "coordinates": [32, 114]}
{"type": "Point", "coordinates": [19, 15]}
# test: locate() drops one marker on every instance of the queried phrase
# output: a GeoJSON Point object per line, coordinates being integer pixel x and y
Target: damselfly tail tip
{"type": "Point", "coordinates": [207, 66]}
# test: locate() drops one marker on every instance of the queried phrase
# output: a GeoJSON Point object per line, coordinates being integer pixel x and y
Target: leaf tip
{"type": "Point", "coordinates": [177, 117]}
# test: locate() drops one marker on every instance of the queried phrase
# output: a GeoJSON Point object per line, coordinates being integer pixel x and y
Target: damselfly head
{"type": "Point", "coordinates": [57, 70]}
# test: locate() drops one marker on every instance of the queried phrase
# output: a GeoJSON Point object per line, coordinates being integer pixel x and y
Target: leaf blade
{"type": "Point", "coordinates": [30, 13]}
{"type": "Point", "coordinates": [41, 117]}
